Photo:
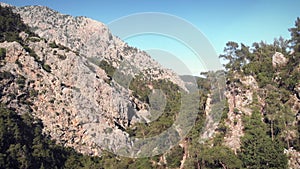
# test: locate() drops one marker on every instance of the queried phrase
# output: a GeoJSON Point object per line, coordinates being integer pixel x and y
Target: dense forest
{"type": "Point", "coordinates": [267, 131]}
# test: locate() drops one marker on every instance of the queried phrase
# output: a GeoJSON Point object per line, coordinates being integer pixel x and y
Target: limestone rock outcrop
{"type": "Point", "coordinates": [56, 76]}
{"type": "Point", "coordinates": [278, 60]}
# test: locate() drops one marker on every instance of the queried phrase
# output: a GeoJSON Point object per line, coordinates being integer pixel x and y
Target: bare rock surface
{"type": "Point", "coordinates": [92, 39]}
{"type": "Point", "coordinates": [78, 103]}
{"type": "Point", "coordinates": [279, 60]}
{"type": "Point", "coordinates": [239, 101]}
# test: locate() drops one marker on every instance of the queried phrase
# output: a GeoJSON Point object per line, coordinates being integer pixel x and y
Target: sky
{"type": "Point", "coordinates": [220, 21]}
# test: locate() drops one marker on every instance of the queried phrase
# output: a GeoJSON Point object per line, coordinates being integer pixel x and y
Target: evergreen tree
{"type": "Point", "coordinates": [258, 150]}
{"type": "Point", "coordinates": [295, 37]}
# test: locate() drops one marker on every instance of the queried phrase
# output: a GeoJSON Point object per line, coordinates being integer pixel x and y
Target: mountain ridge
{"type": "Point", "coordinates": [100, 97]}
{"type": "Point", "coordinates": [79, 89]}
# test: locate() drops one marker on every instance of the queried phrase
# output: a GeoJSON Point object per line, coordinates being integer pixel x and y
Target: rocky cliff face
{"type": "Point", "coordinates": [56, 75]}
{"type": "Point", "coordinates": [239, 101]}
{"type": "Point", "coordinates": [240, 96]}
{"type": "Point", "coordinates": [59, 77]}
{"type": "Point", "coordinates": [91, 39]}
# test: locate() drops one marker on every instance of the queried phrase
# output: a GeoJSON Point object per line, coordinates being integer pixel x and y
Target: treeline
{"type": "Point", "coordinates": [273, 126]}
{"type": "Point", "coordinates": [276, 84]}
{"type": "Point", "coordinates": [270, 129]}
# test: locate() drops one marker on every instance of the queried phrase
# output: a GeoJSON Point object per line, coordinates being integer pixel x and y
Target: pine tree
{"type": "Point", "coordinates": [295, 36]}
{"type": "Point", "coordinates": [258, 150]}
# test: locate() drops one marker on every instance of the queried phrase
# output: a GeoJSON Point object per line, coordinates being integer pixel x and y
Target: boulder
{"type": "Point", "coordinates": [278, 60]}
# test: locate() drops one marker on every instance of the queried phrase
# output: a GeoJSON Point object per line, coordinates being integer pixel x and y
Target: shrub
{"type": "Point", "coordinates": [46, 67]}
{"type": "Point", "coordinates": [31, 52]}
{"type": "Point", "coordinates": [2, 53]}
{"type": "Point", "coordinates": [62, 57]}
{"type": "Point", "coordinates": [21, 80]}
{"type": "Point", "coordinates": [34, 39]}
{"type": "Point", "coordinates": [19, 64]}
{"type": "Point", "coordinates": [6, 75]}
{"type": "Point", "coordinates": [53, 45]}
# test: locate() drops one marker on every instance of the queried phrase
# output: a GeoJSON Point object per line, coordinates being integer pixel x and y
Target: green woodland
{"type": "Point", "coordinates": [267, 132]}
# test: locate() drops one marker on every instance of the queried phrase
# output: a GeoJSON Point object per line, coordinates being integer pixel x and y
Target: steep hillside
{"type": "Point", "coordinates": [92, 39]}
{"type": "Point", "coordinates": [263, 100]}
{"type": "Point", "coordinates": [68, 86]}
{"type": "Point", "coordinates": [259, 126]}
{"type": "Point", "coordinates": [75, 76]}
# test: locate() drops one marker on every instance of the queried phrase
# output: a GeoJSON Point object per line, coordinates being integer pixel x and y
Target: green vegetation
{"type": "Point", "coordinates": [34, 39]}
{"type": "Point", "coordinates": [53, 45]}
{"type": "Point", "coordinates": [257, 61]}
{"type": "Point", "coordinates": [271, 128]}
{"type": "Point", "coordinates": [62, 57]}
{"type": "Point", "coordinates": [2, 53]}
{"type": "Point", "coordinates": [140, 89]}
{"type": "Point", "coordinates": [6, 75]}
{"type": "Point", "coordinates": [108, 68]}
{"type": "Point", "coordinates": [46, 67]}
{"type": "Point", "coordinates": [21, 80]}
{"type": "Point", "coordinates": [258, 149]}
{"type": "Point", "coordinates": [103, 64]}
{"type": "Point", "coordinates": [218, 157]}
{"type": "Point", "coordinates": [19, 64]}
{"type": "Point", "coordinates": [23, 145]}
{"type": "Point", "coordinates": [11, 25]}
{"type": "Point", "coordinates": [59, 46]}
{"type": "Point", "coordinates": [276, 84]}
{"type": "Point", "coordinates": [31, 52]}
{"type": "Point", "coordinates": [174, 157]}
{"type": "Point", "coordinates": [205, 155]}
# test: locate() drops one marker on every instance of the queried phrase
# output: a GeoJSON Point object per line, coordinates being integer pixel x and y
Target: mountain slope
{"type": "Point", "coordinates": [93, 92]}
{"type": "Point", "coordinates": [72, 70]}
{"type": "Point", "coordinates": [91, 39]}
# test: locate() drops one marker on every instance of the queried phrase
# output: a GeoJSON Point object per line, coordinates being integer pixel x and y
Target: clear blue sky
{"type": "Point", "coordinates": [219, 20]}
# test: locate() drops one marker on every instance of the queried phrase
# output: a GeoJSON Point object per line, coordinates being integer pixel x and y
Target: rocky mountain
{"type": "Point", "coordinates": [70, 71]}
{"type": "Point", "coordinates": [91, 92]}
{"type": "Point", "coordinates": [92, 39]}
